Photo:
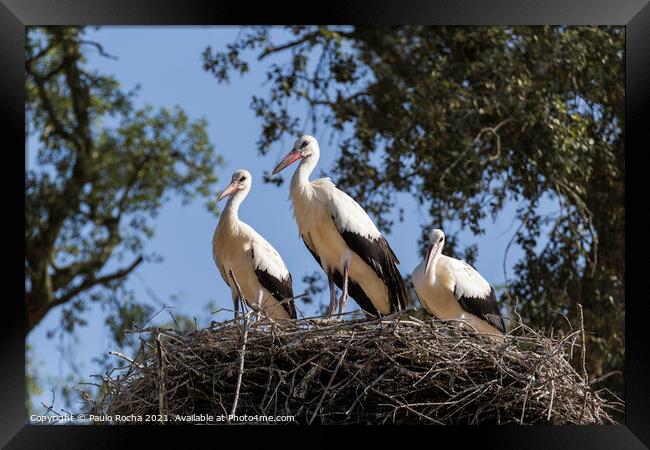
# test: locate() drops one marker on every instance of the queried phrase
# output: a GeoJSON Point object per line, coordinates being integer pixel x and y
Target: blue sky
{"type": "Point", "coordinates": [166, 62]}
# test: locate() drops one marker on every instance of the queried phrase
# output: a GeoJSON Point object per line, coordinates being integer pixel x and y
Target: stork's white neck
{"type": "Point", "coordinates": [300, 178]}
{"type": "Point", "coordinates": [430, 274]}
{"type": "Point", "coordinates": [231, 211]}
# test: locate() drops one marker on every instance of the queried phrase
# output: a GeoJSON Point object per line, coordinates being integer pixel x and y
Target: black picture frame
{"type": "Point", "coordinates": [16, 14]}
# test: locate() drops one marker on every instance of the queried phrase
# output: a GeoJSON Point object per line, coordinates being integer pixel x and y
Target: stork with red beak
{"type": "Point", "coordinates": [239, 250]}
{"type": "Point", "coordinates": [452, 289]}
{"type": "Point", "coordinates": [342, 238]}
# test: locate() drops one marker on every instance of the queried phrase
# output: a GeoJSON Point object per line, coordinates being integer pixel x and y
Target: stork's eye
{"type": "Point", "coordinates": [243, 177]}
{"type": "Point", "coordinates": [304, 144]}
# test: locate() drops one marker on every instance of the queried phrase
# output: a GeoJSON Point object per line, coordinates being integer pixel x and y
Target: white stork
{"type": "Point", "coordinates": [257, 267]}
{"type": "Point", "coordinates": [342, 238]}
{"type": "Point", "coordinates": [452, 289]}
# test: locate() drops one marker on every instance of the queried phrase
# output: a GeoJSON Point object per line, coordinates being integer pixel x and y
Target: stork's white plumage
{"type": "Point", "coordinates": [452, 289]}
{"type": "Point", "coordinates": [342, 238]}
{"type": "Point", "coordinates": [258, 268]}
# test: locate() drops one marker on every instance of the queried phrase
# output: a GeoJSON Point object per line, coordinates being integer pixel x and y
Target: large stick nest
{"type": "Point", "coordinates": [392, 370]}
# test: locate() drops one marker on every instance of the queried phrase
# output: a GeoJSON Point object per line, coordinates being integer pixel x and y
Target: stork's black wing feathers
{"type": "Point", "coordinates": [381, 258]}
{"type": "Point", "coordinates": [484, 308]}
{"type": "Point", "coordinates": [354, 290]}
{"type": "Point", "coordinates": [280, 289]}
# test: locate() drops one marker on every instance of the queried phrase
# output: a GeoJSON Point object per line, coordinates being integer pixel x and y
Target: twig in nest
{"type": "Point", "coordinates": [126, 358]}
{"type": "Point", "coordinates": [329, 383]}
{"type": "Point", "coordinates": [162, 396]}
{"type": "Point", "coordinates": [240, 370]}
{"type": "Point", "coordinates": [583, 350]}
{"type": "Point", "coordinates": [583, 356]}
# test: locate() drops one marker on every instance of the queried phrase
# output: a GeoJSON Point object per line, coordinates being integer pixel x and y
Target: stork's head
{"type": "Point", "coordinates": [436, 242]}
{"type": "Point", "coordinates": [305, 147]}
{"type": "Point", "coordinates": [240, 182]}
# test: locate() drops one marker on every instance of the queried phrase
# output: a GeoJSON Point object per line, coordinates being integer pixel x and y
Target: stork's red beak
{"type": "Point", "coordinates": [232, 187]}
{"type": "Point", "coordinates": [432, 251]}
{"type": "Point", "coordinates": [292, 157]}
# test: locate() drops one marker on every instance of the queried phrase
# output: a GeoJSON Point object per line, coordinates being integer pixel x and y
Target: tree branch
{"type": "Point", "coordinates": [92, 281]}
{"type": "Point", "coordinates": [278, 48]}
{"type": "Point", "coordinates": [39, 81]}
{"type": "Point", "coordinates": [44, 51]}
{"type": "Point", "coordinates": [80, 100]}
{"type": "Point", "coordinates": [99, 48]}
{"type": "Point", "coordinates": [37, 308]}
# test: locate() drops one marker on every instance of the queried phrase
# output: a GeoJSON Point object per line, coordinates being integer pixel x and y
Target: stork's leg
{"type": "Point", "coordinates": [332, 287]}
{"type": "Point", "coordinates": [344, 295]}
{"type": "Point", "coordinates": [235, 303]}
{"type": "Point", "coordinates": [240, 295]}
{"type": "Point", "coordinates": [260, 296]}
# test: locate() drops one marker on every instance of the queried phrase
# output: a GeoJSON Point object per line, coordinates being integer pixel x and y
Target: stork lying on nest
{"type": "Point", "coordinates": [342, 238]}
{"type": "Point", "coordinates": [247, 261]}
{"type": "Point", "coordinates": [452, 289]}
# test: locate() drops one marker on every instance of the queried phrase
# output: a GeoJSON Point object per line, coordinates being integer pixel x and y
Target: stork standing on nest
{"type": "Point", "coordinates": [452, 289]}
{"type": "Point", "coordinates": [258, 269]}
{"type": "Point", "coordinates": [342, 238]}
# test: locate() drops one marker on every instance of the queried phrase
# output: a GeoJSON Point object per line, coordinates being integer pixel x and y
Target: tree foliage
{"type": "Point", "coordinates": [104, 168]}
{"type": "Point", "coordinates": [467, 120]}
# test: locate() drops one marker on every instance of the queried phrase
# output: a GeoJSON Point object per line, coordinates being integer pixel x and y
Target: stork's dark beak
{"type": "Point", "coordinates": [292, 157]}
{"type": "Point", "coordinates": [433, 249]}
{"type": "Point", "coordinates": [232, 187]}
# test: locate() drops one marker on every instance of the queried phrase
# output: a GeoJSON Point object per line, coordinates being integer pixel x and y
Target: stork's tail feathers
{"type": "Point", "coordinates": [398, 296]}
